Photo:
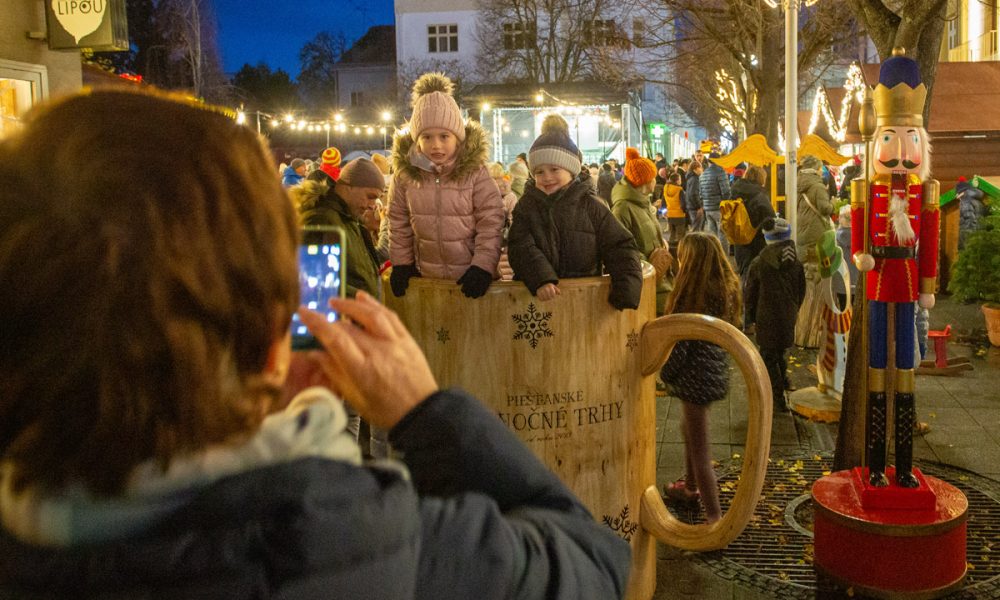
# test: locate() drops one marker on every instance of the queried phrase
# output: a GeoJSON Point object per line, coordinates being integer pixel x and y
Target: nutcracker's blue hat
{"type": "Point", "coordinates": [899, 69]}
{"type": "Point", "coordinates": [899, 95]}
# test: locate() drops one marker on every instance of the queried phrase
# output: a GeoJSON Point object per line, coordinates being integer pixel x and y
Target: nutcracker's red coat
{"type": "Point", "coordinates": [897, 279]}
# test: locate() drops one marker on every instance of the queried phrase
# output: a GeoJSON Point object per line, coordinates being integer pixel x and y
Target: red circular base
{"type": "Point", "coordinates": [889, 553]}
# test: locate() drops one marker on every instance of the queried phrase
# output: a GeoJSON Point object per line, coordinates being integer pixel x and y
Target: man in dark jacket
{"type": "Point", "coordinates": [776, 286]}
{"type": "Point", "coordinates": [683, 167]}
{"type": "Point", "coordinates": [605, 183]}
{"type": "Point", "coordinates": [342, 204]}
{"type": "Point", "coordinates": [714, 187]}
{"type": "Point", "coordinates": [692, 197]}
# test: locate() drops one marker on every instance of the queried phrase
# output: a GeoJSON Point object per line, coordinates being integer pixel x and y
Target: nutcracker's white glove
{"type": "Point", "coordinates": [926, 301]}
{"type": "Point", "coordinates": [864, 262]}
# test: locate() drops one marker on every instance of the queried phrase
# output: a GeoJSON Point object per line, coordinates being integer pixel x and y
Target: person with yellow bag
{"type": "Point", "coordinates": [743, 217]}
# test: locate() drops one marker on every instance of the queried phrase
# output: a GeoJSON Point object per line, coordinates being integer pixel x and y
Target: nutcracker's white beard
{"type": "Point", "coordinates": [899, 216]}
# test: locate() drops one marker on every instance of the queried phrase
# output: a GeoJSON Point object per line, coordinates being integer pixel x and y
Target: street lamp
{"type": "Point", "coordinates": [791, 8]}
{"type": "Point", "coordinates": [386, 118]}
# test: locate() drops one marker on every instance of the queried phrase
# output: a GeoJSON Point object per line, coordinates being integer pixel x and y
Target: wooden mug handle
{"type": "Point", "coordinates": [658, 339]}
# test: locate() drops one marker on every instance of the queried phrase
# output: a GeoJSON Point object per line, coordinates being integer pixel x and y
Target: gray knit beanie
{"type": "Point", "coordinates": [361, 173]}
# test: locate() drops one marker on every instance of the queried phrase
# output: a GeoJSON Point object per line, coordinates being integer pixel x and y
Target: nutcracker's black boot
{"type": "Point", "coordinates": [905, 421]}
{"type": "Point", "coordinates": [876, 439]}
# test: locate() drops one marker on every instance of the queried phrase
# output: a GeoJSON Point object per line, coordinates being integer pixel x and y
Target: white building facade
{"type": "Point", "coordinates": [434, 34]}
{"type": "Point", "coordinates": [442, 35]}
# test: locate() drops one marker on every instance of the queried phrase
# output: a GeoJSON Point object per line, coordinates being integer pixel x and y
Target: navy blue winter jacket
{"type": "Point", "coordinates": [482, 518]}
{"type": "Point", "coordinates": [713, 186]}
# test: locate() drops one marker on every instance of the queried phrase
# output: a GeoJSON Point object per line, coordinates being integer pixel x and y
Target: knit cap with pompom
{"type": "Point", "coordinates": [331, 156]}
{"type": "Point", "coordinates": [434, 106]}
{"type": "Point", "coordinates": [555, 147]}
{"type": "Point", "coordinates": [638, 170]}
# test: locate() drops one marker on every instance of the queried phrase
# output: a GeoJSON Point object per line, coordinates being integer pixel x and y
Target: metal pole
{"type": "Point", "coordinates": [791, 113]}
{"type": "Point", "coordinates": [258, 122]}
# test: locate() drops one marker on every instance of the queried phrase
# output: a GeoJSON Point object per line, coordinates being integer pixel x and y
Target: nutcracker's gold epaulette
{"type": "Point", "coordinates": [932, 195]}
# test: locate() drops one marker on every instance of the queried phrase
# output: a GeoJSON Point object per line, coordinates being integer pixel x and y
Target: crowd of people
{"type": "Point", "coordinates": [447, 212]}
{"type": "Point", "coordinates": [159, 437]}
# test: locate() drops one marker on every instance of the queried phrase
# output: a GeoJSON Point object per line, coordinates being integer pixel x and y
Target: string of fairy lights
{"type": "Point", "coordinates": [854, 90]}
{"type": "Point", "coordinates": [727, 93]}
{"type": "Point", "coordinates": [336, 123]}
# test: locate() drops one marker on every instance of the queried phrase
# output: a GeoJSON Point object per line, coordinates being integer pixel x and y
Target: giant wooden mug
{"type": "Point", "coordinates": [573, 379]}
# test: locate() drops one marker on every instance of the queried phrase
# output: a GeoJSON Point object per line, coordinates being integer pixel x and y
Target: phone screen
{"type": "Point", "coordinates": [321, 264]}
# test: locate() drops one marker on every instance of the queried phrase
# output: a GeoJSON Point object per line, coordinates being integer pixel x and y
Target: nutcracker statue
{"type": "Point", "coordinates": [895, 241]}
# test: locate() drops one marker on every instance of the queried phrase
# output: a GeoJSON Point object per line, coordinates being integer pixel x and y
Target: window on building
{"type": "Point", "coordinates": [22, 86]}
{"type": "Point", "coordinates": [517, 36]}
{"type": "Point", "coordinates": [955, 27]}
{"type": "Point", "coordinates": [601, 32]}
{"type": "Point", "coordinates": [638, 33]}
{"type": "Point", "coordinates": [442, 38]}
{"type": "Point", "coordinates": [357, 98]}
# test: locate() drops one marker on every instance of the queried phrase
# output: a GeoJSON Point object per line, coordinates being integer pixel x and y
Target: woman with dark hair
{"type": "Point", "coordinates": [750, 190]}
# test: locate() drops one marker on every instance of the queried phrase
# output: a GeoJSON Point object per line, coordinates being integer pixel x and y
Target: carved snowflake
{"type": "Point", "coordinates": [621, 524]}
{"type": "Point", "coordinates": [443, 336]}
{"type": "Point", "coordinates": [532, 325]}
{"type": "Point", "coordinates": [633, 341]}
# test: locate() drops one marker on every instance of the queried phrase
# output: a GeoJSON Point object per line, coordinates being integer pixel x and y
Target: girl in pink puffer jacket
{"type": "Point", "coordinates": [445, 211]}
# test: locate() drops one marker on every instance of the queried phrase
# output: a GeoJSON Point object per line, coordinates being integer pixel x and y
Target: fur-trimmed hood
{"type": "Point", "coordinates": [307, 194]}
{"type": "Point", "coordinates": [472, 153]}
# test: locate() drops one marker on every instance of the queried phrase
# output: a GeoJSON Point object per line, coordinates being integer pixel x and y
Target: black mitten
{"type": "Point", "coordinates": [475, 282]}
{"type": "Point", "coordinates": [621, 299]}
{"type": "Point", "coordinates": [399, 279]}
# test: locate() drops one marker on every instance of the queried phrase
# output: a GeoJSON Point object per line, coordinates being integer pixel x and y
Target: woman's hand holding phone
{"type": "Point", "coordinates": [370, 359]}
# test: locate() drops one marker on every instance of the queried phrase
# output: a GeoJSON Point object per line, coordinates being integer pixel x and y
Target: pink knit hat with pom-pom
{"type": "Point", "coordinates": [434, 106]}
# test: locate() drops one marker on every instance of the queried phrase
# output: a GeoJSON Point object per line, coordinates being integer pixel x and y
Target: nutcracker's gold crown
{"type": "Point", "coordinates": [900, 105]}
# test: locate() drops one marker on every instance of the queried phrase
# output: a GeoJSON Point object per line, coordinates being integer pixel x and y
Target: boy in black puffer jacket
{"type": "Point", "coordinates": [560, 228]}
{"type": "Point", "coordinates": [774, 305]}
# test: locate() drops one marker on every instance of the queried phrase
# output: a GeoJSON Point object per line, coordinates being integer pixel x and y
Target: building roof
{"type": "Point", "coordinates": [377, 45]}
{"type": "Point", "coordinates": [507, 95]}
{"type": "Point", "coordinates": [965, 97]}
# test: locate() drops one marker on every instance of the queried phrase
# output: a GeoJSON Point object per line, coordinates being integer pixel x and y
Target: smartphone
{"type": "Point", "coordinates": [321, 277]}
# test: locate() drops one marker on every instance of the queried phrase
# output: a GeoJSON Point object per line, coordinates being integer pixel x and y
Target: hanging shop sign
{"type": "Point", "coordinates": [99, 25]}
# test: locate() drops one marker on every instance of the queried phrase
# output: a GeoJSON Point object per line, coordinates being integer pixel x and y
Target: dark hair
{"type": "Point", "coordinates": [685, 161]}
{"type": "Point", "coordinates": [606, 166]}
{"type": "Point", "coordinates": [523, 156]}
{"type": "Point", "coordinates": [147, 266]}
{"type": "Point", "coordinates": [592, 166]}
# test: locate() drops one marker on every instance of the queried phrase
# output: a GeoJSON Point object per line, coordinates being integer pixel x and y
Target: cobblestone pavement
{"type": "Point", "coordinates": [963, 413]}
